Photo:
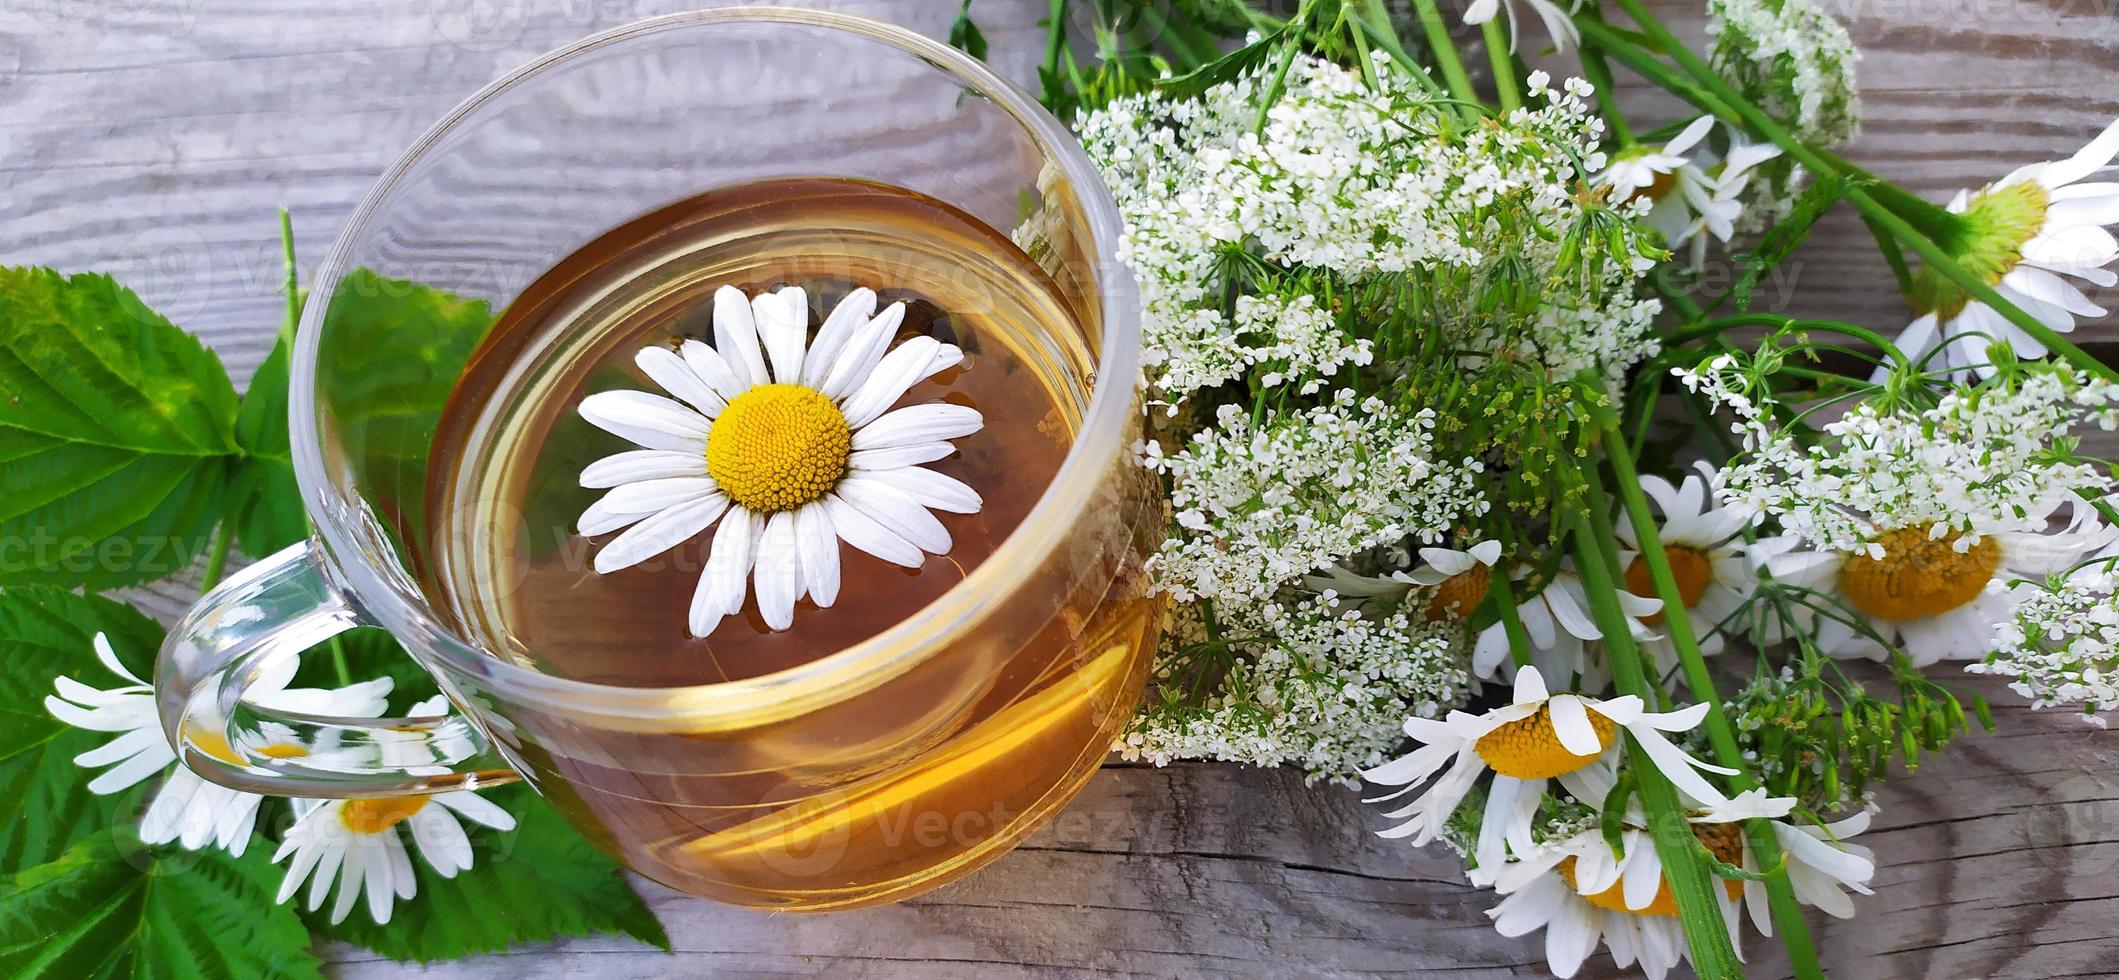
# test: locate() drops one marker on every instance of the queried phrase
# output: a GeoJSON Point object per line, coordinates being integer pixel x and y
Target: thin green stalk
{"type": "Point", "coordinates": [1699, 913]}
{"type": "Point", "coordinates": [1445, 50]}
{"type": "Point", "coordinates": [1506, 86]}
{"type": "Point", "coordinates": [1677, 622]}
{"type": "Point", "coordinates": [1511, 620]}
{"type": "Point", "coordinates": [217, 559]}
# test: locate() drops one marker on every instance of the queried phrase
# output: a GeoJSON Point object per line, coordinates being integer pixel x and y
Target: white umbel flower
{"type": "Point", "coordinates": [790, 443]}
{"type": "Point", "coordinates": [1700, 541]}
{"type": "Point", "coordinates": [188, 809]}
{"type": "Point", "coordinates": [356, 843]}
{"type": "Point", "coordinates": [2027, 235]}
{"type": "Point", "coordinates": [1540, 736]}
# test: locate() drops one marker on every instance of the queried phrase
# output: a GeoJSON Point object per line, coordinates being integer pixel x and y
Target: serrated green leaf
{"type": "Point", "coordinates": [537, 882]}
{"type": "Point", "coordinates": [107, 909]}
{"type": "Point", "coordinates": [45, 633]}
{"type": "Point", "coordinates": [393, 351]}
{"type": "Point", "coordinates": [264, 501]}
{"type": "Point", "coordinates": [116, 434]}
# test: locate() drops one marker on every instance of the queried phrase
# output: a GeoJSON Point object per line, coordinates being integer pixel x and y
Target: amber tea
{"type": "Point", "coordinates": [892, 787]}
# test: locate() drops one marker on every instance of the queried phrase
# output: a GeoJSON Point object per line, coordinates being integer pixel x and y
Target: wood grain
{"type": "Point", "coordinates": [154, 138]}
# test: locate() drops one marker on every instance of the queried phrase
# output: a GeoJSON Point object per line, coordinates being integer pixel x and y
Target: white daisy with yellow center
{"type": "Point", "coordinates": [2025, 235]}
{"type": "Point", "coordinates": [1456, 581]}
{"type": "Point", "coordinates": [188, 809]}
{"type": "Point", "coordinates": [1708, 559]}
{"type": "Point", "coordinates": [1538, 737]}
{"type": "Point", "coordinates": [1933, 591]}
{"type": "Point", "coordinates": [790, 443]}
{"type": "Point", "coordinates": [1557, 622]}
{"type": "Point", "coordinates": [1670, 177]}
{"type": "Point", "coordinates": [357, 844]}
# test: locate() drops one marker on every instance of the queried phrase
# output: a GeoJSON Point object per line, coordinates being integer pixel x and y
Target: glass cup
{"type": "Point", "coordinates": [864, 776]}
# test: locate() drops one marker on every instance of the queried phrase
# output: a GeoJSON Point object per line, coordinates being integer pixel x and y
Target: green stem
{"type": "Point", "coordinates": [217, 559]}
{"type": "Point", "coordinates": [338, 661]}
{"type": "Point", "coordinates": [1677, 622]}
{"type": "Point", "coordinates": [1699, 913]}
{"type": "Point", "coordinates": [1445, 50]}
{"type": "Point", "coordinates": [1511, 620]}
{"type": "Point", "coordinates": [1506, 86]}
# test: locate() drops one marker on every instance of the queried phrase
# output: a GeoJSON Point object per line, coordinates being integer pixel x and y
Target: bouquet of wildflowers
{"type": "Point", "coordinates": [1482, 500]}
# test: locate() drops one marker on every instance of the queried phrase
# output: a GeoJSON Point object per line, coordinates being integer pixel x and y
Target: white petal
{"type": "Point", "coordinates": [713, 369]}
{"type": "Point", "coordinates": [898, 457]}
{"type": "Point", "coordinates": [778, 571]}
{"type": "Point", "coordinates": [851, 314]}
{"type": "Point", "coordinates": [148, 763]}
{"type": "Point", "coordinates": [736, 336]}
{"type": "Point", "coordinates": [442, 841]}
{"type": "Point", "coordinates": [895, 510]}
{"type": "Point", "coordinates": [783, 326]}
{"type": "Point", "coordinates": [932, 422]}
{"type": "Point", "coordinates": [818, 545]}
{"type": "Point", "coordinates": [667, 369]}
{"type": "Point", "coordinates": [1530, 686]}
{"type": "Point", "coordinates": [660, 533]}
{"type": "Point", "coordinates": [2086, 161]}
{"type": "Point", "coordinates": [850, 369]}
{"type": "Point", "coordinates": [893, 376]}
{"type": "Point", "coordinates": [637, 465]}
{"type": "Point", "coordinates": [1571, 724]}
{"type": "Point", "coordinates": [647, 420]}
{"type": "Point", "coordinates": [477, 809]}
{"type": "Point", "coordinates": [722, 585]}
{"type": "Point", "coordinates": [931, 489]}
{"type": "Point", "coordinates": [861, 531]}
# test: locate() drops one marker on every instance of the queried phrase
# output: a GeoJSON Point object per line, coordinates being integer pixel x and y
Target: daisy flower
{"type": "Point", "coordinates": [1540, 736]}
{"type": "Point", "coordinates": [1560, 628]}
{"type": "Point", "coordinates": [1653, 173]}
{"type": "Point", "coordinates": [1930, 590]}
{"type": "Point", "coordinates": [789, 442]}
{"type": "Point", "coordinates": [188, 809]}
{"type": "Point", "coordinates": [1558, 20]}
{"type": "Point", "coordinates": [1544, 891]}
{"type": "Point", "coordinates": [1711, 565]}
{"type": "Point", "coordinates": [2025, 235]}
{"type": "Point", "coordinates": [1459, 580]}
{"type": "Point", "coordinates": [357, 843]}
{"type": "Point", "coordinates": [1727, 180]}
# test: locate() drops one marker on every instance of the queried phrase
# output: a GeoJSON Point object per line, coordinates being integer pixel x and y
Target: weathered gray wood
{"type": "Point", "coordinates": [154, 138]}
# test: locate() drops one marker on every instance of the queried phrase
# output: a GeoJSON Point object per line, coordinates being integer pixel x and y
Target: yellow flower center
{"type": "Point", "coordinates": [213, 744]}
{"type": "Point", "coordinates": [378, 815]}
{"type": "Point", "coordinates": [1689, 566]}
{"type": "Point", "coordinates": [1997, 223]}
{"type": "Point", "coordinates": [777, 447]}
{"type": "Point", "coordinates": [1919, 575]}
{"type": "Point", "coordinates": [1459, 594]}
{"type": "Point", "coordinates": [1528, 748]}
{"type": "Point", "coordinates": [1726, 840]}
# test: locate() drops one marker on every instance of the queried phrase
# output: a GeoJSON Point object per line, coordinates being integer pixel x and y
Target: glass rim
{"type": "Point", "coordinates": [848, 670]}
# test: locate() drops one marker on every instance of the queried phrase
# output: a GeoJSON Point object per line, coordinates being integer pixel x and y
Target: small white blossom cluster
{"type": "Point", "coordinates": [1258, 506]}
{"type": "Point", "coordinates": [1979, 461]}
{"type": "Point", "coordinates": [1796, 61]}
{"type": "Point", "coordinates": [1312, 682]}
{"type": "Point", "coordinates": [1359, 183]}
{"type": "Point", "coordinates": [2063, 647]}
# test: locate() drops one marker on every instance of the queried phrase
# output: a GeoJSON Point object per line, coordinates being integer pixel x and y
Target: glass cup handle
{"type": "Point", "coordinates": [276, 609]}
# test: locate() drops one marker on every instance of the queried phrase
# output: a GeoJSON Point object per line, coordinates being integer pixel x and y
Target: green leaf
{"type": "Point", "coordinates": [1227, 68]}
{"type": "Point", "coordinates": [45, 633]}
{"type": "Point", "coordinates": [107, 909]}
{"type": "Point", "coordinates": [393, 351]}
{"type": "Point", "coordinates": [538, 882]}
{"type": "Point", "coordinates": [264, 501]}
{"type": "Point", "coordinates": [116, 434]}
{"type": "Point", "coordinates": [964, 35]}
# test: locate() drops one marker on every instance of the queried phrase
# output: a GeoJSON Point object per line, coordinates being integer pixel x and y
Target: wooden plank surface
{"type": "Point", "coordinates": [154, 138]}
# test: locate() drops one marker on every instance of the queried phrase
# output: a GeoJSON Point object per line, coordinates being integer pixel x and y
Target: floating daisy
{"type": "Point", "coordinates": [1712, 567]}
{"type": "Point", "coordinates": [2024, 235]}
{"type": "Point", "coordinates": [1559, 626]}
{"type": "Point", "coordinates": [1933, 591]}
{"type": "Point", "coordinates": [356, 842]}
{"type": "Point", "coordinates": [1540, 736]}
{"type": "Point", "coordinates": [188, 809]}
{"type": "Point", "coordinates": [789, 442]}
